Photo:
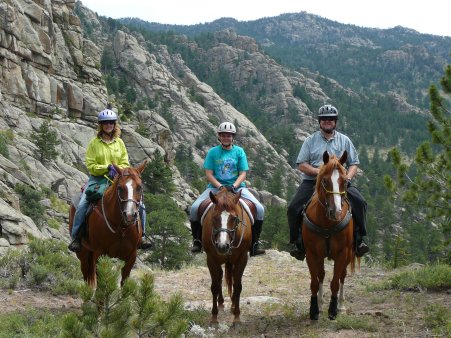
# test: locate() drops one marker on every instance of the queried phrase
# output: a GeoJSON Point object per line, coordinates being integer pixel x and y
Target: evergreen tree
{"type": "Point", "coordinates": [167, 228]}
{"type": "Point", "coordinates": [157, 176]}
{"type": "Point", "coordinates": [430, 189]}
{"type": "Point", "coordinates": [46, 140]}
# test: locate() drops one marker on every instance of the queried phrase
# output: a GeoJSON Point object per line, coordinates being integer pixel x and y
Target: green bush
{"type": "Point", "coordinates": [46, 140]}
{"type": "Point", "coordinates": [46, 265]}
{"type": "Point", "coordinates": [30, 206]}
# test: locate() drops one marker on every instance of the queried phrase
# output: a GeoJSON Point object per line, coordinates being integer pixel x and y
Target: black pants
{"type": "Point", "coordinates": [305, 192]}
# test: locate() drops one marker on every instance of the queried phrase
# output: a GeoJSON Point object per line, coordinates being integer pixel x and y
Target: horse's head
{"type": "Point", "coordinates": [331, 184]}
{"type": "Point", "coordinates": [129, 190]}
{"type": "Point", "coordinates": [227, 216]}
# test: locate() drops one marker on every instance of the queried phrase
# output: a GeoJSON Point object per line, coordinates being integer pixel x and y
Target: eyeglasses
{"type": "Point", "coordinates": [328, 118]}
{"type": "Point", "coordinates": [107, 122]}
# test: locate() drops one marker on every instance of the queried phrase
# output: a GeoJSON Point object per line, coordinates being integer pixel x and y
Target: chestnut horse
{"type": "Point", "coordinates": [226, 239]}
{"type": "Point", "coordinates": [113, 227]}
{"type": "Point", "coordinates": [327, 231]}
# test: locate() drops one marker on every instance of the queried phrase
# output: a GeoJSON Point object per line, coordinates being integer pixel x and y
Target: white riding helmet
{"type": "Point", "coordinates": [107, 115]}
{"type": "Point", "coordinates": [226, 127]}
{"type": "Point", "coordinates": [328, 111]}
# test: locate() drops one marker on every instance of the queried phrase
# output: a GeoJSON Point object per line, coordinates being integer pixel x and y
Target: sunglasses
{"type": "Point", "coordinates": [328, 118]}
{"type": "Point", "coordinates": [108, 122]}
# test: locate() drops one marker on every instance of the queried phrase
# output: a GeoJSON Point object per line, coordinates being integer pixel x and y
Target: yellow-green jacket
{"type": "Point", "coordinates": [101, 154]}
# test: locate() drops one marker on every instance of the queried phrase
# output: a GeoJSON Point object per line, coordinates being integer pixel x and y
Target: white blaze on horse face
{"type": "Point", "coordinates": [336, 189]}
{"type": "Point", "coordinates": [129, 209]}
{"type": "Point", "coordinates": [223, 236]}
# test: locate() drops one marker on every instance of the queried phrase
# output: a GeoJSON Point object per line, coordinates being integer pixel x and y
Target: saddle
{"type": "Point", "coordinates": [247, 205]}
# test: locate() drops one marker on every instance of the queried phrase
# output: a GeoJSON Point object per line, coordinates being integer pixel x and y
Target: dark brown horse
{"type": "Point", "coordinates": [327, 231]}
{"type": "Point", "coordinates": [226, 239]}
{"type": "Point", "coordinates": [113, 226]}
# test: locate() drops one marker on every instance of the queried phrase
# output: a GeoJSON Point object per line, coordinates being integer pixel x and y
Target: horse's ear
{"type": "Point", "coordinates": [213, 197]}
{"type": "Point", "coordinates": [344, 157]}
{"type": "Point", "coordinates": [237, 197]}
{"type": "Point", "coordinates": [140, 168]}
{"type": "Point", "coordinates": [325, 157]}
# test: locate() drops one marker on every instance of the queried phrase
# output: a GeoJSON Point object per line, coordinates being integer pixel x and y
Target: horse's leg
{"type": "Point", "coordinates": [237, 273]}
{"type": "Point", "coordinates": [85, 259]}
{"type": "Point", "coordinates": [92, 271]}
{"type": "Point", "coordinates": [125, 272]}
{"type": "Point", "coordinates": [339, 266]}
{"type": "Point", "coordinates": [321, 275]}
{"type": "Point", "coordinates": [341, 296]}
{"type": "Point", "coordinates": [216, 280]}
{"type": "Point", "coordinates": [220, 295]}
{"type": "Point", "coordinates": [313, 265]}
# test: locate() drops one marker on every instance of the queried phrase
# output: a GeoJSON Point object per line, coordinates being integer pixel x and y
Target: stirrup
{"type": "Point", "coordinates": [75, 245]}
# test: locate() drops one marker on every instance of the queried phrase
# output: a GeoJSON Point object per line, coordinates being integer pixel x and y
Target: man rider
{"type": "Point", "coordinates": [309, 160]}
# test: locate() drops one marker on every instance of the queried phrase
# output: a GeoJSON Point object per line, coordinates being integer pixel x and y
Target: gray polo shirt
{"type": "Point", "coordinates": [315, 145]}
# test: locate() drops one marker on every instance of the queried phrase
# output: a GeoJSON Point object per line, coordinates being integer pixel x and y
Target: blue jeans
{"type": "Point", "coordinates": [244, 193]}
{"type": "Point", "coordinates": [83, 205]}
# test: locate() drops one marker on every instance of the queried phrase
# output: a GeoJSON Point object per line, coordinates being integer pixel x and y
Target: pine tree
{"type": "Point", "coordinates": [46, 140]}
{"type": "Point", "coordinates": [427, 182]}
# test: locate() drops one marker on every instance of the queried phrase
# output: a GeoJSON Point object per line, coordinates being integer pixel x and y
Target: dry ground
{"type": "Point", "coordinates": [275, 301]}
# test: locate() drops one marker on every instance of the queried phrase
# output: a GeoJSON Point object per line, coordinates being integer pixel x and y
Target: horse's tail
{"type": "Point", "coordinates": [353, 259]}
{"type": "Point", "coordinates": [228, 277]}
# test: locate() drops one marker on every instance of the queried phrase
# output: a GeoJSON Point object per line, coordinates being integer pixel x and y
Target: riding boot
{"type": "Point", "coordinates": [298, 249]}
{"type": "Point", "coordinates": [255, 249]}
{"type": "Point", "coordinates": [146, 242]}
{"type": "Point", "coordinates": [361, 247]}
{"type": "Point", "coordinates": [75, 245]}
{"type": "Point", "coordinates": [196, 231]}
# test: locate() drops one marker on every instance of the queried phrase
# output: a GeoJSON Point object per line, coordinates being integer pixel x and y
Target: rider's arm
{"type": "Point", "coordinates": [352, 170]}
{"type": "Point", "coordinates": [308, 169]}
{"type": "Point", "coordinates": [211, 179]}
{"type": "Point", "coordinates": [240, 179]}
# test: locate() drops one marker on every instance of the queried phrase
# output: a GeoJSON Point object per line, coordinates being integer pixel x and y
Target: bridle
{"type": "Point", "coordinates": [231, 233]}
{"type": "Point", "coordinates": [120, 202]}
{"type": "Point", "coordinates": [325, 205]}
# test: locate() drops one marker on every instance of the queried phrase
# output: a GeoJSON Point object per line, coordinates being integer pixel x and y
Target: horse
{"type": "Point", "coordinates": [113, 226]}
{"type": "Point", "coordinates": [327, 231]}
{"type": "Point", "coordinates": [226, 240]}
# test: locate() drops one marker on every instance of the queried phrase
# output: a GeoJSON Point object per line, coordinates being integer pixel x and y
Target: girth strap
{"type": "Point", "coordinates": [329, 231]}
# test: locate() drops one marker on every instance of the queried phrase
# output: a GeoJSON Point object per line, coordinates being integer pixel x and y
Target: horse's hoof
{"type": "Point", "coordinates": [236, 323]}
{"type": "Point", "coordinates": [332, 316]}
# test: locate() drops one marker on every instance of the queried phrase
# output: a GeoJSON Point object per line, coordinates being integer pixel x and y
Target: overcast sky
{"type": "Point", "coordinates": [425, 16]}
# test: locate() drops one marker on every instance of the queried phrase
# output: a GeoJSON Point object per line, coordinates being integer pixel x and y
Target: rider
{"type": "Point", "coordinates": [225, 167]}
{"type": "Point", "coordinates": [309, 160]}
{"type": "Point", "coordinates": [103, 150]}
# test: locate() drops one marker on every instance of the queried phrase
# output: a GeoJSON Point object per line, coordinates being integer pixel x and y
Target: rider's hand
{"type": "Point", "coordinates": [348, 183]}
{"type": "Point", "coordinates": [230, 188]}
{"type": "Point", "coordinates": [111, 171]}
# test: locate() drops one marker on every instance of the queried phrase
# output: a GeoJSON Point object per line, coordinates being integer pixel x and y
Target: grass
{"type": "Point", "coordinates": [432, 277]}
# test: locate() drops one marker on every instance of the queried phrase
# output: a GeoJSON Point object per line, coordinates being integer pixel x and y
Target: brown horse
{"type": "Point", "coordinates": [113, 226]}
{"type": "Point", "coordinates": [327, 231]}
{"type": "Point", "coordinates": [226, 239]}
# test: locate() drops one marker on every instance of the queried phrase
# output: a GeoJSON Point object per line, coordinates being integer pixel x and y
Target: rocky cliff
{"type": "Point", "coordinates": [50, 71]}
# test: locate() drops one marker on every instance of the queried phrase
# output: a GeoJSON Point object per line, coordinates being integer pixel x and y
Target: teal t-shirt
{"type": "Point", "coordinates": [226, 164]}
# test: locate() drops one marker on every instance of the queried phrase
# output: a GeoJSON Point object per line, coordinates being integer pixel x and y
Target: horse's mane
{"type": "Point", "coordinates": [332, 164]}
{"type": "Point", "coordinates": [224, 200]}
